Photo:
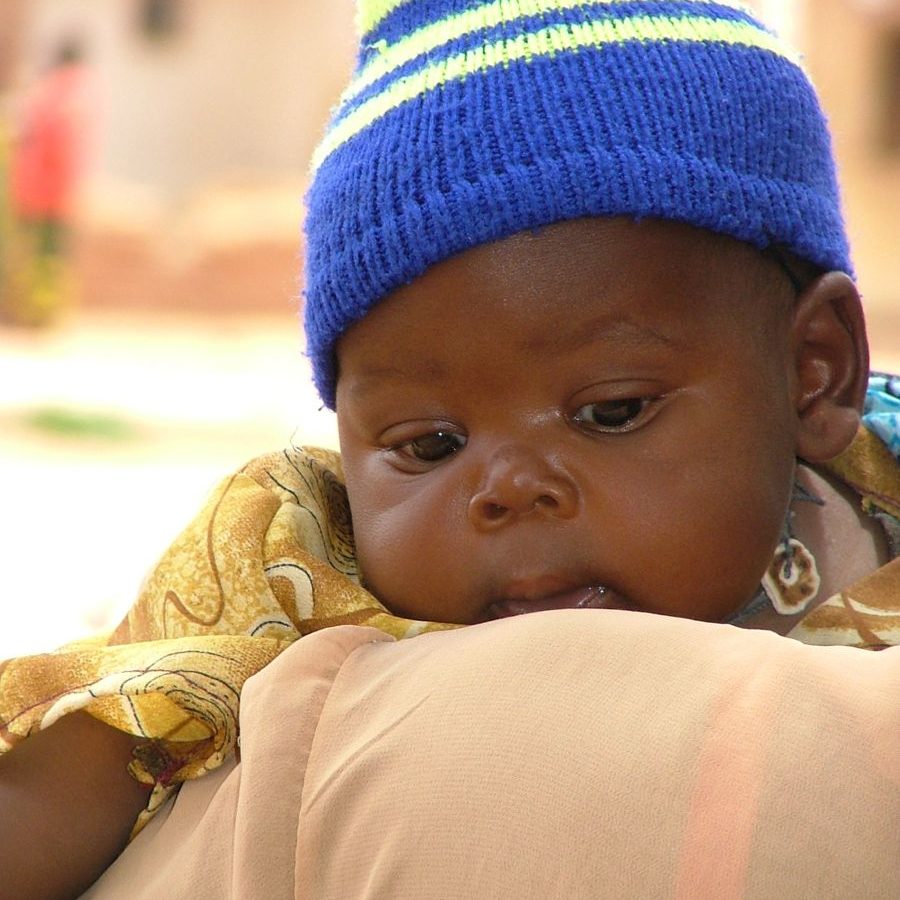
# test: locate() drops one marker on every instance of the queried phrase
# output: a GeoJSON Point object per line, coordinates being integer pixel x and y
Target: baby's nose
{"type": "Point", "coordinates": [517, 482]}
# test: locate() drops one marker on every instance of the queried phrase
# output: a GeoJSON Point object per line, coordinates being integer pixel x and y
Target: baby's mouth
{"type": "Point", "coordinates": [594, 596]}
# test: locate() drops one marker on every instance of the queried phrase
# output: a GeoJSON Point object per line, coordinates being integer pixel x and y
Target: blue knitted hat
{"type": "Point", "coordinates": [467, 121]}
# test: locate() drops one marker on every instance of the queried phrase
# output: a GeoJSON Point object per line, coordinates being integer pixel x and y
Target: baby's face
{"type": "Point", "coordinates": [596, 414]}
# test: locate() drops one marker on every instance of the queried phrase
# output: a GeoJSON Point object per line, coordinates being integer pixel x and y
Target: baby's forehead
{"type": "Point", "coordinates": [595, 255]}
{"type": "Point", "coordinates": [623, 284]}
{"type": "Point", "coordinates": [575, 246]}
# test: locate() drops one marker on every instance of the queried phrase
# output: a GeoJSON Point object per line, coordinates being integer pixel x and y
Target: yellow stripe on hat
{"type": "Point", "coordinates": [489, 15]}
{"type": "Point", "coordinates": [546, 42]}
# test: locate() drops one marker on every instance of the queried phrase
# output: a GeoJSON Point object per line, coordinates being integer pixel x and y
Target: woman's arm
{"type": "Point", "coordinates": [67, 807]}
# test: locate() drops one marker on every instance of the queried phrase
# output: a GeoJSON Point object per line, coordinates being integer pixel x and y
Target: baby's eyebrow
{"type": "Point", "coordinates": [622, 332]}
{"type": "Point", "coordinates": [602, 330]}
{"type": "Point", "coordinates": [368, 377]}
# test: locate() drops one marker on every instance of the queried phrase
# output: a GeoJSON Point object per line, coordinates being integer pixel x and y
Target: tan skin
{"type": "Point", "coordinates": [67, 807]}
{"type": "Point", "coordinates": [596, 405]}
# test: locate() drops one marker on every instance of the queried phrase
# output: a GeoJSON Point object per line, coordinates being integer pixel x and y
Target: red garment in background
{"type": "Point", "coordinates": [48, 154]}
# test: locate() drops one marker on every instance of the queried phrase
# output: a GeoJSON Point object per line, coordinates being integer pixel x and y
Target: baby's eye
{"type": "Point", "coordinates": [612, 415]}
{"type": "Point", "coordinates": [433, 447]}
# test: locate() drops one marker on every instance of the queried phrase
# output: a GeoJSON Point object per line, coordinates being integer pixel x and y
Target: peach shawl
{"type": "Point", "coordinates": [573, 754]}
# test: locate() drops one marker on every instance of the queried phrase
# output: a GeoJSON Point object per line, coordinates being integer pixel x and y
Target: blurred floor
{"type": "Point", "coordinates": [114, 428]}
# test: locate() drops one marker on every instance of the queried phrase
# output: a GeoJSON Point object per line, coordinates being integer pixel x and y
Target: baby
{"type": "Point", "coordinates": [618, 313]}
{"type": "Point", "coordinates": [579, 291]}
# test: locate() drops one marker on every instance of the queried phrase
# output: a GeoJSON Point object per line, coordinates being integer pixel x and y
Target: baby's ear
{"type": "Point", "coordinates": [831, 356]}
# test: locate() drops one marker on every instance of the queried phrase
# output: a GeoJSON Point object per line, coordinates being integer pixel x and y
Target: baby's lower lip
{"type": "Point", "coordinates": [586, 597]}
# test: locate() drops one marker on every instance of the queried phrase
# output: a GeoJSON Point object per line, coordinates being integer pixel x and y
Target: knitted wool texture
{"type": "Point", "coordinates": [466, 122]}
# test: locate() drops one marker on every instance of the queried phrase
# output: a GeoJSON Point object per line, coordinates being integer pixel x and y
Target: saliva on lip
{"type": "Point", "coordinates": [593, 599]}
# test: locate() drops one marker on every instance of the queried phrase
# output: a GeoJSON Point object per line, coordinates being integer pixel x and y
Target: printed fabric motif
{"type": "Point", "coordinates": [882, 410]}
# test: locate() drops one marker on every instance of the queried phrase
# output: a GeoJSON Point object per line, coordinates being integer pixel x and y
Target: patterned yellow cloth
{"type": "Point", "coordinates": [870, 469]}
{"type": "Point", "coordinates": [268, 560]}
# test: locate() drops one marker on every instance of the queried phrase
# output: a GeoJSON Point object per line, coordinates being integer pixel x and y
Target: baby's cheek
{"type": "Point", "coordinates": [395, 557]}
{"type": "Point", "coordinates": [701, 553]}
{"type": "Point", "coordinates": [736, 557]}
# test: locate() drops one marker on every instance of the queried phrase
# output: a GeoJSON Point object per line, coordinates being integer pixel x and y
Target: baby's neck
{"type": "Point", "coordinates": [847, 544]}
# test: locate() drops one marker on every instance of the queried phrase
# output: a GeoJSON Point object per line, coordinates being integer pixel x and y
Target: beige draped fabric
{"type": "Point", "coordinates": [569, 754]}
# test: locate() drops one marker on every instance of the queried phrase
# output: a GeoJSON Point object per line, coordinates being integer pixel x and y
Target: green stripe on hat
{"type": "Point", "coordinates": [545, 42]}
{"type": "Point", "coordinates": [428, 38]}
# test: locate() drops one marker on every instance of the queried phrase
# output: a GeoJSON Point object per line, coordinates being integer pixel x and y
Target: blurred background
{"type": "Point", "coordinates": [149, 340]}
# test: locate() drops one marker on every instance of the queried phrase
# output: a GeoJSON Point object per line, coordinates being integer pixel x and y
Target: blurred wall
{"type": "Point", "coordinates": [204, 125]}
{"type": "Point", "coordinates": [229, 88]}
{"type": "Point", "coordinates": [853, 48]}
{"type": "Point", "coordinates": [12, 23]}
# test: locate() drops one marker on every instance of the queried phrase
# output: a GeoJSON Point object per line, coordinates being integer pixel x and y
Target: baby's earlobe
{"type": "Point", "coordinates": [831, 362]}
{"type": "Point", "coordinates": [826, 432]}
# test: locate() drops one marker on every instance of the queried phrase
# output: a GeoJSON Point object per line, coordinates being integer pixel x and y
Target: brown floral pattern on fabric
{"type": "Point", "coordinates": [866, 614]}
{"type": "Point", "coordinates": [870, 469]}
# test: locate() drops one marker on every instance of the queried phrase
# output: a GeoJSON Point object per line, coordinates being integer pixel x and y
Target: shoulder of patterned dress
{"type": "Point", "coordinates": [867, 614]}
